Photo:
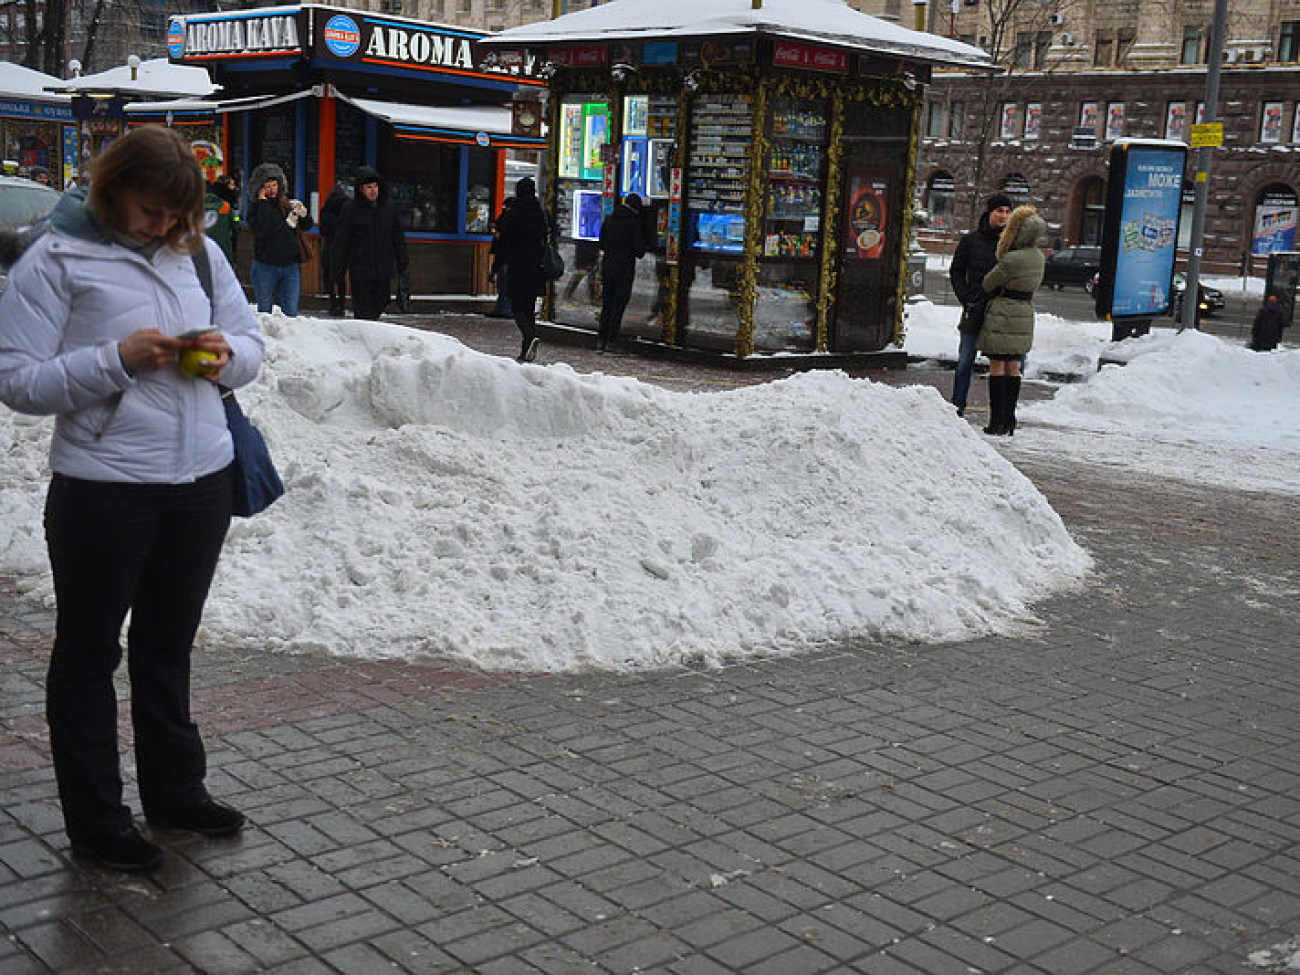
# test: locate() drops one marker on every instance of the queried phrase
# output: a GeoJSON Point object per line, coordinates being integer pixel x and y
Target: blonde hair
{"type": "Point", "coordinates": [156, 161]}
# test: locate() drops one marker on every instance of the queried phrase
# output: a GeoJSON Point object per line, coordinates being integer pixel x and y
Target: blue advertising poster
{"type": "Point", "coordinates": [1148, 230]}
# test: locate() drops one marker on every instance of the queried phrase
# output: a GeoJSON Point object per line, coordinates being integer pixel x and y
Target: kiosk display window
{"type": "Point", "coordinates": [721, 139]}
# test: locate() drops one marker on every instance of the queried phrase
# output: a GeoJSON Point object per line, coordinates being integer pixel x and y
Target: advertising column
{"type": "Point", "coordinates": [1140, 232]}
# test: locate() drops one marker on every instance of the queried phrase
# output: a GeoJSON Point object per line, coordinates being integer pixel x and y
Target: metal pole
{"type": "Point", "coordinates": [1204, 156]}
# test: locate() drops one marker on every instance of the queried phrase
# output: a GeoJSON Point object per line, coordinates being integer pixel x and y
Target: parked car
{"type": "Point", "coordinates": [23, 204]}
{"type": "Point", "coordinates": [1211, 298]}
{"type": "Point", "coordinates": [1073, 265]}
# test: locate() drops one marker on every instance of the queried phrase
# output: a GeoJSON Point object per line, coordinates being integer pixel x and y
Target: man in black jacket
{"type": "Point", "coordinates": [622, 243]}
{"type": "Point", "coordinates": [370, 243]}
{"type": "Point", "coordinates": [522, 230]}
{"type": "Point", "coordinates": [975, 257]}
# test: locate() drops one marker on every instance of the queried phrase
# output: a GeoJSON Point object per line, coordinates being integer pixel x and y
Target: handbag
{"type": "Point", "coordinates": [257, 483]}
{"type": "Point", "coordinates": [552, 262]}
{"type": "Point", "coordinates": [304, 248]}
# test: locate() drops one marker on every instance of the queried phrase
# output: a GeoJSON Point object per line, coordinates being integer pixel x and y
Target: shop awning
{"type": "Point", "coordinates": [199, 106]}
{"type": "Point", "coordinates": [482, 125]}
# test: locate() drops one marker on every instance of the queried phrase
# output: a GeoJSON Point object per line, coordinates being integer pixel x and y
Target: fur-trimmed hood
{"type": "Point", "coordinates": [1024, 229]}
{"type": "Point", "coordinates": [264, 171]}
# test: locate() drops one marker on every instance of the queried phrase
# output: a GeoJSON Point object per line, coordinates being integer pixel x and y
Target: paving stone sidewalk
{"type": "Point", "coordinates": [1112, 789]}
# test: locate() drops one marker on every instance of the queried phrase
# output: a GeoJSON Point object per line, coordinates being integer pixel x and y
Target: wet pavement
{"type": "Point", "coordinates": [1111, 789]}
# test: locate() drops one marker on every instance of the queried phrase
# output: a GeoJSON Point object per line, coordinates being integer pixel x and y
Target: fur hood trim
{"type": "Point", "coordinates": [1024, 229]}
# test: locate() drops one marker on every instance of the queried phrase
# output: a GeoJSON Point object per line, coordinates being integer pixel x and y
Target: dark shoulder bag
{"type": "Point", "coordinates": [256, 483]}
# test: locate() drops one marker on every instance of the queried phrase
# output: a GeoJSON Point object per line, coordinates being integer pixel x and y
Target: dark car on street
{"type": "Point", "coordinates": [1212, 299]}
{"type": "Point", "coordinates": [1073, 265]}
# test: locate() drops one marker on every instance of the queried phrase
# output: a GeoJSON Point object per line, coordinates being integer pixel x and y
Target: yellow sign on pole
{"type": "Point", "coordinates": [1207, 135]}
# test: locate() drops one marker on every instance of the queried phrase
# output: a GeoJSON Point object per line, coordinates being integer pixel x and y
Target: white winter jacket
{"type": "Point", "coordinates": [70, 299]}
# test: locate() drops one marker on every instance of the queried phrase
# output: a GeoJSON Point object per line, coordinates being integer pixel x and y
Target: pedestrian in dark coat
{"type": "Point", "coordinates": [276, 220]}
{"type": "Point", "coordinates": [523, 229]}
{"type": "Point", "coordinates": [1008, 332]}
{"type": "Point", "coordinates": [622, 243]}
{"type": "Point", "coordinates": [975, 256]}
{"type": "Point", "coordinates": [331, 267]}
{"type": "Point", "coordinates": [371, 245]}
{"type": "Point", "coordinates": [1266, 332]}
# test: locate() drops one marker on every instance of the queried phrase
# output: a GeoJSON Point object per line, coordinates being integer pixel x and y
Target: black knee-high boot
{"type": "Point", "coordinates": [1012, 398]}
{"type": "Point", "coordinates": [997, 408]}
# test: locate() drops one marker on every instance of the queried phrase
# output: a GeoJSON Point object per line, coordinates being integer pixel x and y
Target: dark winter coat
{"type": "Point", "coordinates": [521, 235]}
{"type": "Point", "coordinates": [369, 241]}
{"type": "Point", "coordinates": [1267, 329]}
{"type": "Point", "coordinates": [621, 242]}
{"type": "Point", "coordinates": [275, 241]}
{"type": "Point", "coordinates": [1009, 322]}
{"type": "Point", "coordinates": [975, 257]}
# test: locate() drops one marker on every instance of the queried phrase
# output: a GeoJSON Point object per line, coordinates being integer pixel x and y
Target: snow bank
{"type": "Point", "coordinates": [446, 502]}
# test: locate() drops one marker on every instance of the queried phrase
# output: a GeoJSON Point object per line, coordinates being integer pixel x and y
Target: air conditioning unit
{"type": "Point", "coordinates": [1067, 39]}
{"type": "Point", "coordinates": [1056, 20]}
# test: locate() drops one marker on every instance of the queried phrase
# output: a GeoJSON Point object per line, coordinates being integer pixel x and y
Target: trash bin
{"type": "Point", "coordinates": [915, 272]}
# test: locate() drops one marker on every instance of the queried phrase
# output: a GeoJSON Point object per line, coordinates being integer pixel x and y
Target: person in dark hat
{"type": "Point", "coordinates": [975, 256]}
{"type": "Point", "coordinates": [40, 175]}
{"type": "Point", "coordinates": [622, 244]}
{"type": "Point", "coordinates": [522, 229]}
{"type": "Point", "coordinates": [370, 244]}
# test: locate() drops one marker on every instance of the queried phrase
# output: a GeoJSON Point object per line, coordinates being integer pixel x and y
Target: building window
{"type": "Point", "coordinates": [940, 194]}
{"type": "Point", "coordinates": [1023, 55]}
{"type": "Point", "coordinates": [463, 6]}
{"type": "Point", "coordinates": [1270, 123]}
{"type": "Point", "coordinates": [956, 120]}
{"type": "Point", "coordinates": [1123, 44]}
{"type": "Point", "coordinates": [934, 119]}
{"type": "Point", "coordinates": [1102, 51]}
{"type": "Point", "coordinates": [1114, 121]}
{"type": "Point", "coordinates": [1010, 128]}
{"type": "Point", "coordinates": [1288, 48]}
{"type": "Point", "coordinates": [1016, 187]}
{"type": "Point", "coordinates": [390, 6]}
{"type": "Point", "coordinates": [1192, 46]}
{"type": "Point", "coordinates": [1176, 121]}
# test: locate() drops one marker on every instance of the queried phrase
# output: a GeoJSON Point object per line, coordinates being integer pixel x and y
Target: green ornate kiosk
{"type": "Point", "coordinates": [774, 145]}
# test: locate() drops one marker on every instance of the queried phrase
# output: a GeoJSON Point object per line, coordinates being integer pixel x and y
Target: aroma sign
{"type": "Point", "coordinates": [419, 47]}
{"type": "Point", "coordinates": [245, 35]}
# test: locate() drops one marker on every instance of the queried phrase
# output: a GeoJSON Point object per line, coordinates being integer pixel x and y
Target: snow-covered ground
{"type": "Point", "coordinates": [443, 501]}
{"type": "Point", "coordinates": [1186, 406]}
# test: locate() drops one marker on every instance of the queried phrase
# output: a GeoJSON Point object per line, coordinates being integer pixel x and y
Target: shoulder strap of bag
{"type": "Point", "coordinates": [203, 268]}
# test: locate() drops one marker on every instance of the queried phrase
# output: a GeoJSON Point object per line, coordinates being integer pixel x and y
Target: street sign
{"type": "Point", "coordinates": [1207, 135]}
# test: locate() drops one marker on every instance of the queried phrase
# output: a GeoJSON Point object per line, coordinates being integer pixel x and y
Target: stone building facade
{"type": "Point", "coordinates": [1086, 74]}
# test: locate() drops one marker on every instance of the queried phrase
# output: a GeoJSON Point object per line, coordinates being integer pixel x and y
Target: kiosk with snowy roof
{"type": "Point", "coordinates": [773, 142]}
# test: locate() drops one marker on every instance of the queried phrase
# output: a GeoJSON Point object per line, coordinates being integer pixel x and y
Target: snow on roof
{"type": "Point", "coordinates": [157, 76]}
{"type": "Point", "coordinates": [20, 82]}
{"type": "Point", "coordinates": [828, 21]}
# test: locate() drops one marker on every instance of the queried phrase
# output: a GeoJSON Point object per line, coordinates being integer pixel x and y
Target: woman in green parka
{"type": "Point", "coordinates": [1008, 331]}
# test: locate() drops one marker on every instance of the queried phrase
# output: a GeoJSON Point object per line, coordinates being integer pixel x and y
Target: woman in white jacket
{"type": "Point", "coordinates": [92, 323]}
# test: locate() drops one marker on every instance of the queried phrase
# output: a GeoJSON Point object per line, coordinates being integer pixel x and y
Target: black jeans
{"type": "Point", "coordinates": [523, 304]}
{"type": "Point", "coordinates": [370, 297]}
{"type": "Point", "coordinates": [617, 290]}
{"type": "Point", "coordinates": [151, 549]}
